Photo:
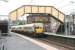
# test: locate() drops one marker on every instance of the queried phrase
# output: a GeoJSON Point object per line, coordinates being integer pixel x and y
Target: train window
{"type": "Point", "coordinates": [13, 28]}
{"type": "Point", "coordinates": [19, 27]}
{"type": "Point", "coordinates": [40, 27]}
{"type": "Point", "coordinates": [36, 27]}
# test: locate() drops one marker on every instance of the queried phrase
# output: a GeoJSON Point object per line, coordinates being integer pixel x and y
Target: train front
{"type": "Point", "coordinates": [39, 28]}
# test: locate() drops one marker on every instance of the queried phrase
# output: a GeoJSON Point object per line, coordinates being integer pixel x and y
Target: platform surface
{"type": "Point", "coordinates": [15, 42]}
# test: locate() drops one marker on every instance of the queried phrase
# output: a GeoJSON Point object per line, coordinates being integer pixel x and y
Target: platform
{"type": "Point", "coordinates": [19, 42]}
{"type": "Point", "coordinates": [66, 36]}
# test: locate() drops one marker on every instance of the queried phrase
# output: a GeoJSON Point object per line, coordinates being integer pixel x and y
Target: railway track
{"type": "Point", "coordinates": [53, 41]}
{"type": "Point", "coordinates": [56, 44]}
{"type": "Point", "coordinates": [48, 41]}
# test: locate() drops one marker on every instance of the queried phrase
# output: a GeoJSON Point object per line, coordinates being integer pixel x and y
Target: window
{"type": "Point", "coordinates": [37, 27]}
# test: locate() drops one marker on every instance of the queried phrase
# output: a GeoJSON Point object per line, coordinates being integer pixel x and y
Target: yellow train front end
{"type": "Point", "coordinates": [39, 30]}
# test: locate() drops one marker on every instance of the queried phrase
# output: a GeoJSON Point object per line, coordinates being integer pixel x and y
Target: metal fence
{"type": "Point", "coordinates": [70, 25]}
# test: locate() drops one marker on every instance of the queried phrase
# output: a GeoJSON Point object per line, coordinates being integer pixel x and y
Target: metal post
{"type": "Point", "coordinates": [0, 33]}
{"type": "Point", "coordinates": [0, 40]}
{"type": "Point", "coordinates": [69, 28]}
{"type": "Point", "coordinates": [65, 25]}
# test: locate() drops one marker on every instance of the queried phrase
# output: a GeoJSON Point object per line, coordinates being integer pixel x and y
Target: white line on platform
{"type": "Point", "coordinates": [66, 36]}
{"type": "Point", "coordinates": [47, 47]}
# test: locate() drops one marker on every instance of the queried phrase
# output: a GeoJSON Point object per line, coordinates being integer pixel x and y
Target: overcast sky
{"type": "Point", "coordinates": [65, 6]}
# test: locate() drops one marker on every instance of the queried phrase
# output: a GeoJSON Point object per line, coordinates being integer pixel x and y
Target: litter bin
{"type": "Point", "coordinates": [4, 27]}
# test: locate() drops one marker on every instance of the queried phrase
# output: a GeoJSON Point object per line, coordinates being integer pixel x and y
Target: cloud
{"type": "Point", "coordinates": [62, 5]}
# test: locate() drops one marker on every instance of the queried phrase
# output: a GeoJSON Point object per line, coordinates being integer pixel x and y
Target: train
{"type": "Point", "coordinates": [34, 29]}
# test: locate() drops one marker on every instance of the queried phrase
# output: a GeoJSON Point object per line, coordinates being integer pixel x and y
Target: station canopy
{"type": "Point", "coordinates": [26, 9]}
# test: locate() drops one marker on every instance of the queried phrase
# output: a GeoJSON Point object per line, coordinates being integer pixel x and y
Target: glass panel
{"type": "Point", "coordinates": [55, 12]}
{"type": "Point", "coordinates": [41, 9]}
{"type": "Point", "coordinates": [48, 10]}
{"type": "Point", "coordinates": [28, 9]}
{"type": "Point", "coordinates": [13, 16]}
{"type": "Point", "coordinates": [37, 27]}
{"type": "Point", "coordinates": [20, 11]}
{"type": "Point", "coordinates": [61, 16]}
{"type": "Point", "coordinates": [34, 9]}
